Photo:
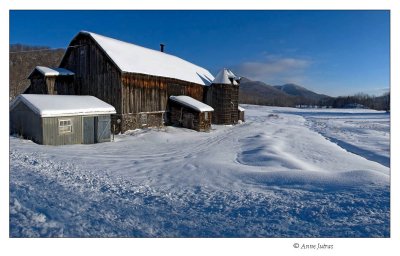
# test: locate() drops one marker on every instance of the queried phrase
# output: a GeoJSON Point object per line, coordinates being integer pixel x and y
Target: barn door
{"type": "Point", "coordinates": [88, 130]}
{"type": "Point", "coordinates": [103, 128]}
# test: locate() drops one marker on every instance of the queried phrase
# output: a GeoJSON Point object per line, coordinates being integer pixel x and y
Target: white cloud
{"type": "Point", "coordinates": [274, 69]}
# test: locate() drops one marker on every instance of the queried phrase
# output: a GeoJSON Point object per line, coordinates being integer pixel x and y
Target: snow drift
{"type": "Point", "coordinates": [283, 173]}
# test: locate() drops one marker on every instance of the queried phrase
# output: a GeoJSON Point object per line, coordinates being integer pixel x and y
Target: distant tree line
{"type": "Point", "coordinates": [359, 100]}
{"type": "Point", "coordinates": [373, 102]}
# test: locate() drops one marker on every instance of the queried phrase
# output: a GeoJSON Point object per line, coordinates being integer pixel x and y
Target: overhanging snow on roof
{"type": "Point", "coordinates": [63, 105]}
{"type": "Point", "coordinates": [191, 103]}
{"type": "Point", "coordinates": [46, 71]}
{"type": "Point", "coordinates": [224, 77]}
{"type": "Point", "coordinates": [137, 59]}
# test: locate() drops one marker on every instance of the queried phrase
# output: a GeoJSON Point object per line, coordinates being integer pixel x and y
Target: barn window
{"type": "Point", "coordinates": [206, 116]}
{"type": "Point", "coordinates": [64, 126]}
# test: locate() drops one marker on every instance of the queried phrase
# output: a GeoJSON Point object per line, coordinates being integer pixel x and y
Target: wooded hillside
{"type": "Point", "coordinates": [23, 59]}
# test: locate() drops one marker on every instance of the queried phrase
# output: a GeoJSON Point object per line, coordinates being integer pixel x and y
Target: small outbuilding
{"type": "Point", "coordinates": [45, 80]}
{"type": "Point", "coordinates": [187, 112]}
{"type": "Point", "coordinates": [241, 113]}
{"type": "Point", "coordinates": [61, 119]}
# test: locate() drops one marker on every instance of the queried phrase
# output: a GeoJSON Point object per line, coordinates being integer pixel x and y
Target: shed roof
{"type": "Point", "coordinates": [137, 59]}
{"type": "Point", "coordinates": [46, 71]}
{"type": "Point", "coordinates": [191, 103]}
{"type": "Point", "coordinates": [223, 77]}
{"type": "Point", "coordinates": [63, 105]}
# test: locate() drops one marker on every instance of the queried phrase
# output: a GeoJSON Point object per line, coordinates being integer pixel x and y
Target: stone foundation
{"type": "Point", "coordinates": [136, 121]}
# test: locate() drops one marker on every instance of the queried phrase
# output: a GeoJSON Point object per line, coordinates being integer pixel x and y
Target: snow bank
{"type": "Point", "coordinates": [63, 105]}
{"type": "Point", "coordinates": [273, 176]}
{"type": "Point", "coordinates": [136, 59]}
{"type": "Point", "coordinates": [192, 103]}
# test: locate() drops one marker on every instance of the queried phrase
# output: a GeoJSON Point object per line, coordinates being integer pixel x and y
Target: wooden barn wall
{"type": "Point", "coordinates": [64, 85]}
{"type": "Point", "coordinates": [95, 73]}
{"type": "Point", "coordinates": [225, 101]}
{"type": "Point", "coordinates": [38, 86]}
{"type": "Point", "coordinates": [23, 121]}
{"type": "Point", "coordinates": [145, 93]}
{"type": "Point", "coordinates": [51, 135]}
{"type": "Point", "coordinates": [41, 84]}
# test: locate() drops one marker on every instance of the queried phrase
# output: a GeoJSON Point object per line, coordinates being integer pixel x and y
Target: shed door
{"type": "Point", "coordinates": [88, 130]}
{"type": "Point", "coordinates": [103, 128]}
{"type": "Point", "coordinates": [188, 120]}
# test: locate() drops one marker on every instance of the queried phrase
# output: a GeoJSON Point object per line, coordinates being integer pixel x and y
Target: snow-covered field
{"type": "Point", "coordinates": [283, 173]}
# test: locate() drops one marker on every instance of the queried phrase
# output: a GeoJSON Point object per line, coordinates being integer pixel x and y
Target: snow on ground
{"type": "Point", "coordinates": [283, 173]}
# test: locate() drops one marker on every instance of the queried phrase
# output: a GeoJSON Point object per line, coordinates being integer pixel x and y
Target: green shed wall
{"type": "Point", "coordinates": [25, 122]}
{"type": "Point", "coordinates": [51, 135]}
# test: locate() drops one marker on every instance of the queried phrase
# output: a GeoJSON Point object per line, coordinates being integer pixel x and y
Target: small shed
{"type": "Point", "coordinates": [190, 113]}
{"type": "Point", "coordinates": [61, 119]}
{"type": "Point", "coordinates": [241, 113]}
{"type": "Point", "coordinates": [45, 80]}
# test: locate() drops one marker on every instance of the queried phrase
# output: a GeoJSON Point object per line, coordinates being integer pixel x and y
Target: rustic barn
{"type": "Point", "coordinates": [137, 81]}
{"type": "Point", "coordinates": [45, 80]}
{"type": "Point", "coordinates": [241, 113]}
{"type": "Point", "coordinates": [187, 112]}
{"type": "Point", "coordinates": [61, 119]}
{"type": "Point", "coordinates": [223, 96]}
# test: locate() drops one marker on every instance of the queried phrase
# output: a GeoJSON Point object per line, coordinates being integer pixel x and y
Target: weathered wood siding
{"type": "Point", "coordinates": [139, 99]}
{"type": "Point", "coordinates": [95, 73]}
{"type": "Point", "coordinates": [40, 84]}
{"type": "Point", "coordinates": [183, 116]}
{"type": "Point", "coordinates": [25, 122]}
{"type": "Point", "coordinates": [51, 135]}
{"type": "Point", "coordinates": [145, 93]}
{"type": "Point", "coordinates": [145, 99]}
{"type": "Point", "coordinates": [224, 99]}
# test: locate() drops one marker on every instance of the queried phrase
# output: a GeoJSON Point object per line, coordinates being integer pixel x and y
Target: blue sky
{"type": "Point", "coordinates": [331, 52]}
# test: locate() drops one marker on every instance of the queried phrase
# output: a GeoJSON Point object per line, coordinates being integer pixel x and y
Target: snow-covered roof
{"type": "Point", "coordinates": [240, 108]}
{"type": "Point", "coordinates": [63, 105]}
{"type": "Point", "coordinates": [192, 103]}
{"type": "Point", "coordinates": [46, 71]}
{"type": "Point", "coordinates": [137, 59]}
{"type": "Point", "coordinates": [223, 77]}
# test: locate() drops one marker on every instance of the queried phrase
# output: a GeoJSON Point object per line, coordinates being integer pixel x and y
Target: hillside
{"type": "Point", "coordinates": [256, 92]}
{"type": "Point", "coordinates": [24, 58]}
{"type": "Point", "coordinates": [297, 90]}
{"type": "Point", "coordinates": [288, 95]}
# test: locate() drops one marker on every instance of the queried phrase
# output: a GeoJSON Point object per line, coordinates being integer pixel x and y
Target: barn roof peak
{"type": "Point", "coordinates": [137, 59]}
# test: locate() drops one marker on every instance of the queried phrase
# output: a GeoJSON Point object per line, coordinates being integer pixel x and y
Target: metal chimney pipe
{"type": "Point", "coordinates": [162, 47]}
